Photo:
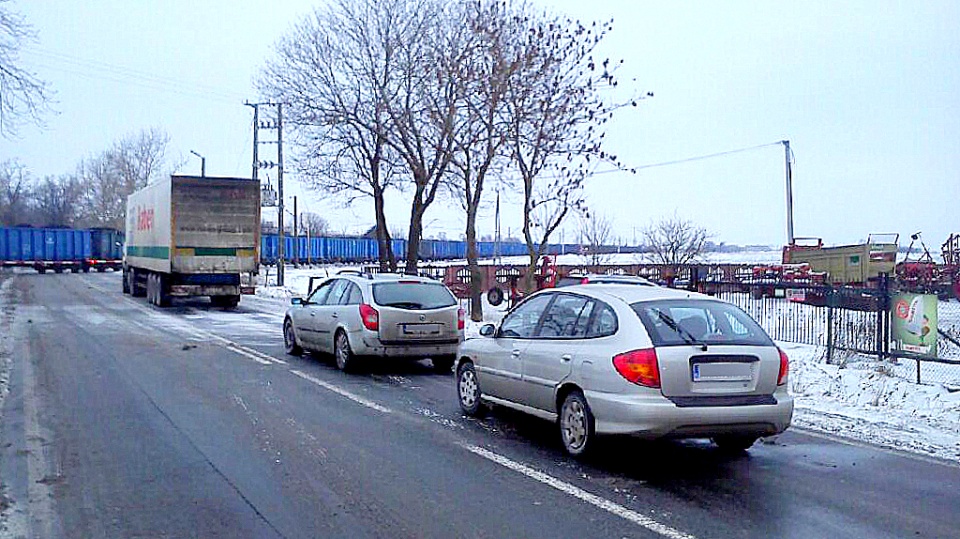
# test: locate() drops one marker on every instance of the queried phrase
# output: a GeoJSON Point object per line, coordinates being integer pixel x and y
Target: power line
{"type": "Point", "coordinates": [688, 159]}
{"type": "Point", "coordinates": [115, 73]}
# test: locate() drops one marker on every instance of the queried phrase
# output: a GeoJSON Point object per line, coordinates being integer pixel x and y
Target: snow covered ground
{"type": "Point", "coordinates": [859, 401]}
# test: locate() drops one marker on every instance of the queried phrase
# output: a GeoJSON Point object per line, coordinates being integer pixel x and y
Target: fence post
{"type": "Point", "coordinates": [883, 321]}
{"type": "Point", "coordinates": [829, 330]}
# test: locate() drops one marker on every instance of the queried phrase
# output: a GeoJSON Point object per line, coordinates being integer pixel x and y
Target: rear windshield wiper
{"type": "Point", "coordinates": [404, 305]}
{"type": "Point", "coordinates": [684, 334]}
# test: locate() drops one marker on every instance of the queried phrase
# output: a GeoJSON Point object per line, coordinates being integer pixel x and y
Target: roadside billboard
{"type": "Point", "coordinates": [913, 326]}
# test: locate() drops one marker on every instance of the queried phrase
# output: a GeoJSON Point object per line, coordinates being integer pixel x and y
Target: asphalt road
{"type": "Point", "coordinates": [126, 420]}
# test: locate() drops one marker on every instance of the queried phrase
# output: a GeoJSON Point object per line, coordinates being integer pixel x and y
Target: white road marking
{"type": "Point", "coordinates": [343, 392]}
{"type": "Point", "coordinates": [580, 494]}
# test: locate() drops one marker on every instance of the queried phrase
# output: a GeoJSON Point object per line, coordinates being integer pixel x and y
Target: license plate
{"type": "Point", "coordinates": [419, 330]}
{"type": "Point", "coordinates": [722, 372]}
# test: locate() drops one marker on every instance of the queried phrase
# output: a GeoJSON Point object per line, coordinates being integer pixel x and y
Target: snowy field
{"type": "Point", "coordinates": [860, 401]}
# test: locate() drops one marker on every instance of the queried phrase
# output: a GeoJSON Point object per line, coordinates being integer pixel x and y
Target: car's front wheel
{"type": "Point", "coordinates": [346, 361]}
{"type": "Point", "coordinates": [576, 424]}
{"type": "Point", "coordinates": [468, 389]}
{"type": "Point", "coordinates": [290, 345]}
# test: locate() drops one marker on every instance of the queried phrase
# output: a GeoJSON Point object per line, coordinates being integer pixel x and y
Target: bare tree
{"type": "Point", "coordinates": [557, 115]}
{"type": "Point", "coordinates": [58, 201]}
{"type": "Point", "coordinates": [314, 224]}
{"type": "Point", "coordinates": [421, 101]}
{"type": "Point", "coordinates": [15, 193]}
{"type": "Point", "coordinates": [109, 178]}
{"type": "Point", "coordinates": [331, 70]}
{"type": "Point", "coordinates": [23, 96]}
{"type": "Point", "coordinates": [481, 136]}
{"type": "Point", "coordinates": [675, 241]}
{"type": "Point", "coordinates": [595, 229]}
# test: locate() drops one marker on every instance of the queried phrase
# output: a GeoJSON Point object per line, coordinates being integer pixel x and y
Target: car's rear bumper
{"type": "Point", "coordinates": [652, 416]}
{"type": "Point", "coordinates": [372, 346]}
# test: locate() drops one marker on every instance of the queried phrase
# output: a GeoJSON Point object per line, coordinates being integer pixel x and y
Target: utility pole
{"type": "Point", "coordinates": [256, 143]}
{"type": "Point", "coordinates": [257, 164]}
{"type": "Point", "coordinates": [786, 151]}
{"type": "Point", "coordinates": [280, 235]}
{"type": "Point", "coordinates": [296, 236]}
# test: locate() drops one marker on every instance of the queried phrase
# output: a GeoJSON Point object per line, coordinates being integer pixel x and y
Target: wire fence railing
{"type": "Point", "coordinates": [850, 324]}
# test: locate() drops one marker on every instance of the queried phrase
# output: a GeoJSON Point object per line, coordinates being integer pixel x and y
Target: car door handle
{"type": "Point", "coordinates": [515, 353]}
{"type": "Point", "coordinates": [335, 315]}
{"type": "Point", "coordinates": [566, 357]}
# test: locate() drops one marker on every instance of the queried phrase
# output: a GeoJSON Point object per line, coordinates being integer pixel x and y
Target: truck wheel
{"type": "Point", "coordinates": [135, 290]}
{"type": "Point", "coordinates": [151, 289]}
{"type": "Point", "coordinates": [161, 294]}
{"type": "Point", "coordinates": [126, 284]}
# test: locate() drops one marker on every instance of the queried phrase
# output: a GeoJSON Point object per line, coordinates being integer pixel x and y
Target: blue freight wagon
{"type": "Point", "coordinates": [43, 249]}
{"type": "Point", "coordinates": [106, 250]}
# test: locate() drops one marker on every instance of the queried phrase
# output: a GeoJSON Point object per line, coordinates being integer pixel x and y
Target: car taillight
{"type": "Point", "coordinates": [784, 368]}
{"type": "Point", "coordinates": [639, 367]}
{"type": "Point", "coordinates": [370, 317]}
{"type": "Point", "coordinates": [585, 280]}
{"type": "Point", "coordinates": [460, 320]}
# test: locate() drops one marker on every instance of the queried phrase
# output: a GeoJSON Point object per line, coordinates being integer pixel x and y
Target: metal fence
{"type": "Point", "coordinates": [849, 323]}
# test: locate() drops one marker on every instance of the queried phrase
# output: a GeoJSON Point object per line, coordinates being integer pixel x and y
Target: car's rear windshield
{"type": "Point", "coordinates": [690, 321]}
{"type": "Point", "coordinates": [413, 295]}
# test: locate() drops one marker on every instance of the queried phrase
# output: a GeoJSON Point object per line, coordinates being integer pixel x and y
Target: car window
{"type": "Point", "coordinates": [320, 293]}
{"type": "Point", "coordinates": [566, 317]}
{"type": "Point", "coordinates": [352, 295]}
{"type": "Point", "coordinates": [336, 292]}
{"type": "Point", "coordinates": [604, 322]}
{"type": "Point", "coordinates": [413, 295]}
{"type": "Point", "coordinates": [522, 321]}
{"type": "Point", "coordinates": [680, 322]}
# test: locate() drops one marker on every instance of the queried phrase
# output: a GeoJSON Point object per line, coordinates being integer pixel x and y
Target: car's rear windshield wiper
{"type": "Point", "coordinates": [684, 334]}
{"type": "Point", "coordinates": [405, 305]}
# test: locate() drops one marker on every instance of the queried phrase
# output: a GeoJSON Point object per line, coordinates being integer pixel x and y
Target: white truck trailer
{"type": "Point", "coordinates": [193, 236]}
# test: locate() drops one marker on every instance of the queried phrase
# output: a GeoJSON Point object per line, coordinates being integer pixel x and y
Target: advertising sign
{"type": "Point", "coordinates": [914, 324]}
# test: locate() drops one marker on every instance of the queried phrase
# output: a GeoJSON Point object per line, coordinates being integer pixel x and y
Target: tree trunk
{"type": "Point", "coordinates": [416, 231]}
{"type": "Point", "coordinates": [387, 259]}
{"type": "Point", "coordinates": [476, 276]}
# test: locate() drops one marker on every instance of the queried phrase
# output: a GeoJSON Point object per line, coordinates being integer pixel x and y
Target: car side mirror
{"type": "Point", "coordinates": [297, 301]}
{"type": "Point", "coordinates": [488, 330]}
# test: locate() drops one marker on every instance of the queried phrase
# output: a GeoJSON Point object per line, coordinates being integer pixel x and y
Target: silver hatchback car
{"type": "Point", "coordinates": [626, 359]}
{"type": "Point", "coordinates": [385, 315]}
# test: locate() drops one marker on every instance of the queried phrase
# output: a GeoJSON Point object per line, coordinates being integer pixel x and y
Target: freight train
{"type": "Point", "coordinates": [326, 249]}
{"type": "Point", "coordinates": [61, 249]}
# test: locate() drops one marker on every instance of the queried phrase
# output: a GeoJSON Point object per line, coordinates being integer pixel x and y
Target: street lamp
{"type": "Point", "coordinates": [203, 164]}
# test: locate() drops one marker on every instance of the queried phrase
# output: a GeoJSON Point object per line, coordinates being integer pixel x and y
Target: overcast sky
{"type": "Point", "coordinates": [867, 93]}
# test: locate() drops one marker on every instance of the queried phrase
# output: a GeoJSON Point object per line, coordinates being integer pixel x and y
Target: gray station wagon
{"type": "Point", "coordinates": [384, 315]}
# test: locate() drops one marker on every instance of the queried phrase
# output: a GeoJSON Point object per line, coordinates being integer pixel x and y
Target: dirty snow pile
{"type": "Point", "coordinates": [858, 399]}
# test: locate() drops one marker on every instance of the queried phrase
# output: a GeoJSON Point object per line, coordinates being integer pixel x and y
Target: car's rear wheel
{"type": "Point", "coordinates": [734, 444]}
{"type": "Point", "coordinates": [468, 389]}
{"type": "Point", "coordinates": [290, 340]}
{"type": "Point", "coordinates": [443, 363]}
{"type": "Point", "coordinates": [346, 361]}
{"type": "Point", "coordinates": [576, 424]}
